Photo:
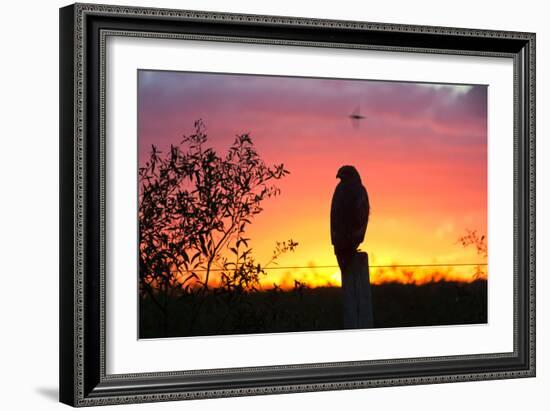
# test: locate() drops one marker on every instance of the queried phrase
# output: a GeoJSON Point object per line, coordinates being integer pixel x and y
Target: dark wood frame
{"type": "Point", "coordinates": [83, 29]}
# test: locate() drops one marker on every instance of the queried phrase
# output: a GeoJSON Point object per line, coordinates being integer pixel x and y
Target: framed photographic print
{"type": "Point", "coordinates": [261, 204]}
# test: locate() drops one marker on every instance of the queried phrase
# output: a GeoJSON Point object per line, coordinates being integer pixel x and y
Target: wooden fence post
{"type": "Point", "coordinates": [357, 293]}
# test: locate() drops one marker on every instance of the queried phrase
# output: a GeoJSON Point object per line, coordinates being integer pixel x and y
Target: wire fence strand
{"type": "Point", "coordinates": [370, 266]}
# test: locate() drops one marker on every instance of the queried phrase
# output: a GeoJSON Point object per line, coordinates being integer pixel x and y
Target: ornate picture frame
{"type": "Point", "coordinates": [84, 82]}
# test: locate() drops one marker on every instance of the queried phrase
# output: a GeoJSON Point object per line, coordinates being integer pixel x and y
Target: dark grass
{"type": "Point", "coordinates": [314, 309]}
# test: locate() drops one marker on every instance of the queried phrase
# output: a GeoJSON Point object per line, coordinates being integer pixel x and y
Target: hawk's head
{"type": "Point", "coordinates": [348, 174]}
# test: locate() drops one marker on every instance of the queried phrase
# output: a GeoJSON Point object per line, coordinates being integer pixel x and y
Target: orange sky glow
{"type": "Point", "coordinates": [421, 153]}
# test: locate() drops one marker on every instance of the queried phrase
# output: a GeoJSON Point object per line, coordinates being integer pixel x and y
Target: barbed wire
{"type": "Point", "coordinates": [370, 266]}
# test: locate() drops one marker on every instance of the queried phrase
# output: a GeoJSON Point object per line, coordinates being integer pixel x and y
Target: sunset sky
{"type": "Point", "coordinates": [421, 153]}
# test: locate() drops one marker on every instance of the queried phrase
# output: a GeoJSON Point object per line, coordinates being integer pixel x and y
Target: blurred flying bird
{"type": "Point", "coordinates": [356, 117]}
{"type": "Point", "coordinates": [349, 215]}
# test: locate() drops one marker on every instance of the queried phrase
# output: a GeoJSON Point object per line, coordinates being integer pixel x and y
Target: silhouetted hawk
{"type": "Point", "coordinates": [349, 215]}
